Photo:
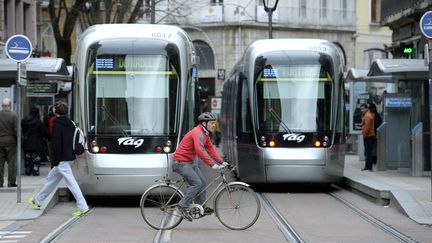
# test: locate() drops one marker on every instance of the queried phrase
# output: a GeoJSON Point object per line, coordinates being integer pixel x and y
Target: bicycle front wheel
{"type": "Point", "coordinates": [158, 207]}
{"type": "Point", "coordinates": [237, 207]}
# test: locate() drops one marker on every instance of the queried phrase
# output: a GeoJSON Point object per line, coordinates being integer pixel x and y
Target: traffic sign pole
{"type": "Point", "coordinates": [19, 118]}
{"type": "Point", "coordinates": [19, 49]}
{"type": "Point", "coordinates": [426, 29]}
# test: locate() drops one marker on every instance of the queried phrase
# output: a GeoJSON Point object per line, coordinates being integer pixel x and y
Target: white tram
{"type": "Point", "coordinates": [283, 112]}
{"type": "Point", "coordinates": [134, 94]}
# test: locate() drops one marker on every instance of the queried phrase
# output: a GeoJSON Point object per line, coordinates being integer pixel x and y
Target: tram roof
{"type": "Point", "coordinates": [399, 68]}
{"type": "Point", "coordinates": [37, 68]}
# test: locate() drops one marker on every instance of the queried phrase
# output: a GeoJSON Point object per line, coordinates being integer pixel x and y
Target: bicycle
{"type": "Point", "coordinates": [236, 205]}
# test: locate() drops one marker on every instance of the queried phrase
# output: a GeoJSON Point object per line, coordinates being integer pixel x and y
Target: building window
{"type": "Point", "coordinates": [344, 8]}
{"type": "Point", "coordinates": [302, 8]}
{"type": "Point", "coordinates": [323, 9]}
{"type": "Point", "coordinates": [205, 54]}
{"type": "Point", "coordinates": [374, 11]}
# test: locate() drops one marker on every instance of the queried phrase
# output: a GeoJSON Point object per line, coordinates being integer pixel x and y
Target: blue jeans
{"type": "Point", "coordinates": [369, 143]}
{"type": "Point", "coordinates": [196, 180]}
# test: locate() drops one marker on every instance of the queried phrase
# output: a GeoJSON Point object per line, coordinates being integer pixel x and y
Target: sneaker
{"type": "Point", "coordinates": [184, 213]}
{"type": "Point", "coordinates": [208, 211]}
{"type": "Point", "coordinates": [33, 203]}
{"type": "Point", "coordinates": [80, 212]}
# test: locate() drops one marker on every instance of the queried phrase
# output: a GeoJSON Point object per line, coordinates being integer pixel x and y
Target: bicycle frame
{"type": "Point", "coordinates": [222, 183]}
{"type": "Point", "coordinates": [218, 187]}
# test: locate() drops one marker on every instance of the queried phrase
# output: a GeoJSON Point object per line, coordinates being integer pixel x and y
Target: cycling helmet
{"type": "Point", "coordinates": [206, 116]}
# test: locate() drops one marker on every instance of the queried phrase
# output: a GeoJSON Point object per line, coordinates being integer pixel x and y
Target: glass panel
{"type": "Point", "coordinates": [134, 95]}
{"type": "Point", "coordinates": [296, 96]}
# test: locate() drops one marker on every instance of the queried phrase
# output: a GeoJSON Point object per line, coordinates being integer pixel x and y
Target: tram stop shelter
{"type": "Point", "coordinates": [404, 138]}
{"type": "Point", "coordinates": [399, 88]}
{"type": "Point", "coordinates": [47, 80]}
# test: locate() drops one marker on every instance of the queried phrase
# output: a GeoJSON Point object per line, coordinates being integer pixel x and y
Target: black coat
{"type": "Point", "coordinates": [33, 133]}
{"type": "Point", "coordinates": [61, 140]}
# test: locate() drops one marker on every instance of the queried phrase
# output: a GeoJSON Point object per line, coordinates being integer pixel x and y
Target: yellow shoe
{"type": "Point", "coordinates": [32, 202]}
{"type": "Point", "coordinates": [80, 212]}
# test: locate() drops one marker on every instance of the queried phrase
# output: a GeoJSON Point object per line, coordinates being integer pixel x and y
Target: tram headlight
{"type": "Point", "coordinates": [272, 143]}
{"type": "Point", "coordinates": [317, 143]}
{"type": "Point", "coordinates": [167, 147]}
{"type": "Point", "coordinates": [94, 147]}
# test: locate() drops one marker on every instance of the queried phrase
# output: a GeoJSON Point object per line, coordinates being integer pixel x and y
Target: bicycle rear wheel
{"type": "Point", "coordinates": [237, 208]}
{"type": "Point", "coordinates": [158, 207]}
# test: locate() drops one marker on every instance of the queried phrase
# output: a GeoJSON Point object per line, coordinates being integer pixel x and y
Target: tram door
{"type": "Point", "coordinates": [397, 111]}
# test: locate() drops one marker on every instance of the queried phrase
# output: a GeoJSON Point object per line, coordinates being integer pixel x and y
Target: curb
{"type": "Point", "coordinates": [403, 201]}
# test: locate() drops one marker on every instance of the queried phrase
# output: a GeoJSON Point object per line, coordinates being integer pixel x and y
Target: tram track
{"type": "Point", "coordinates": [372, 220]}
{"type": "Point", "coordinates": [53, 235]}
{"type": "Point", "coordinates": [287, 230]}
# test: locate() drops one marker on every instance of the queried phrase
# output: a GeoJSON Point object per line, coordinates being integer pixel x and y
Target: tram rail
{"type": "Point", "coordinates": [287, 230]}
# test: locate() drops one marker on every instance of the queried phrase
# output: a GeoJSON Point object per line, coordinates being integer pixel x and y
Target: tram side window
{"type": "Point", "coordinates": [340, 122]}
{"type": "Point", "coordinates": [245, 117]}
{"type": "Point", "coordinates": [188, 121]}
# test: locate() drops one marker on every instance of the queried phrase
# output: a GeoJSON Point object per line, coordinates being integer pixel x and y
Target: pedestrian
{"type": "Point", "coordinates": [49, 123]}
{"type": "Point", "coordinates": [368, 132]}
{"type": "Point", "coordinates": [195, 143]}
{"type": "Point", "coordinates": [377, 123]}
{"type": "Point", "coordinates": [33, 144]}
{"type": "Point", "coordinates": [63, 155]}
{"type": "Point", "coordinates": [8, 142]}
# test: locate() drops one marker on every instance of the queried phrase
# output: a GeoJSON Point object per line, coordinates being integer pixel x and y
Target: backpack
{"type": "Point", "coordinates": [78, 143]}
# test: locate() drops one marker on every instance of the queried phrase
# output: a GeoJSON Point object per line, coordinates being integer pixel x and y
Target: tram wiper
{"type": "Point", "coordinates": [114, 120]}
{"type": "Point", "coordinates": [273, 113]}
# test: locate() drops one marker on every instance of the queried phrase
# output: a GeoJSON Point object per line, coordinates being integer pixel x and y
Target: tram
{"type": "Point", "coordinates": [282, 117]}
{"type": "Point", "coordinates": [134, 95]}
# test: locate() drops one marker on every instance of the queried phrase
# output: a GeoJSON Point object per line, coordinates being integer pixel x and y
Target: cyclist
{"type": "Point", "coordinates": [196, 143]}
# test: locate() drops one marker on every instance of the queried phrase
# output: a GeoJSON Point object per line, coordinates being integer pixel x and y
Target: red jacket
{"type": "Point", "coordinates": [51, 124]}
{"type": "Point", "coordinates": [197, 142]}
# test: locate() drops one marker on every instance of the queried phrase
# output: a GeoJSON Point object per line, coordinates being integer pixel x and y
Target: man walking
{"type": "Point", "coordinates": [63, 154]}
{"type": "Point", "coordinates": [8, 142]}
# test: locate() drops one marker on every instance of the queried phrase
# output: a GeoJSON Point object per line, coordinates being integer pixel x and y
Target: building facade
{"type": "Point", "coordinates": [403, 17]}
{"type": "Point", "coordinates": [222, 30]}
{"type": "Point", "coordinates": [17, 17]}
{"type": "Point", "coordinates": [371, 39]}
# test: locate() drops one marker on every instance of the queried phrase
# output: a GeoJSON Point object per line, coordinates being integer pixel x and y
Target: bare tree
{"type": "Point", "coordinates": [65, 13]}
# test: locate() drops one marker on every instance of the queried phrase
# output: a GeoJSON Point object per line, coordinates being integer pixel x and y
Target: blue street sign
{"type": "Point", "coordinates": [18, 48]}
{"type": "Point", "coordinates": [426, 24]}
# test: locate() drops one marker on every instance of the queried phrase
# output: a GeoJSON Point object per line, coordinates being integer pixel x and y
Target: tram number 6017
{"type": "Point", "coordinates": [318, 48]}
{"type": "Point", "coordinates": [161, 35]}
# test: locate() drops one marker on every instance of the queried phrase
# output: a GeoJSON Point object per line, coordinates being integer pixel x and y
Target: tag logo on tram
{"type": "Point", "coordinates": [130, 142]}
{"type": "Point", "coordinates": [293, 137]}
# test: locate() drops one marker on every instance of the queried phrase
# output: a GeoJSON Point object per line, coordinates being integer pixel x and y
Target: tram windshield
{"type": "Point", "coordinates": [133, 93]}
{"type": "Point", "coordinates": [294, 97]}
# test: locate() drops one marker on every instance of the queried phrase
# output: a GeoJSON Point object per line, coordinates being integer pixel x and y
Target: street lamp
{"type": "Point", "coordinates": [269, 7]}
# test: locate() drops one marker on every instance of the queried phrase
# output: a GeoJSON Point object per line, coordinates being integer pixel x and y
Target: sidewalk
{"type": "Point", "coordinates": [11, 211]}
{"type": "Point", "coordinates": [412, 195]}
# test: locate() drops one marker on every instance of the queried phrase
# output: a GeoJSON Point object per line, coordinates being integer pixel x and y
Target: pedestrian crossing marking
{"type": "Point", "coordinates": [12, 236]}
